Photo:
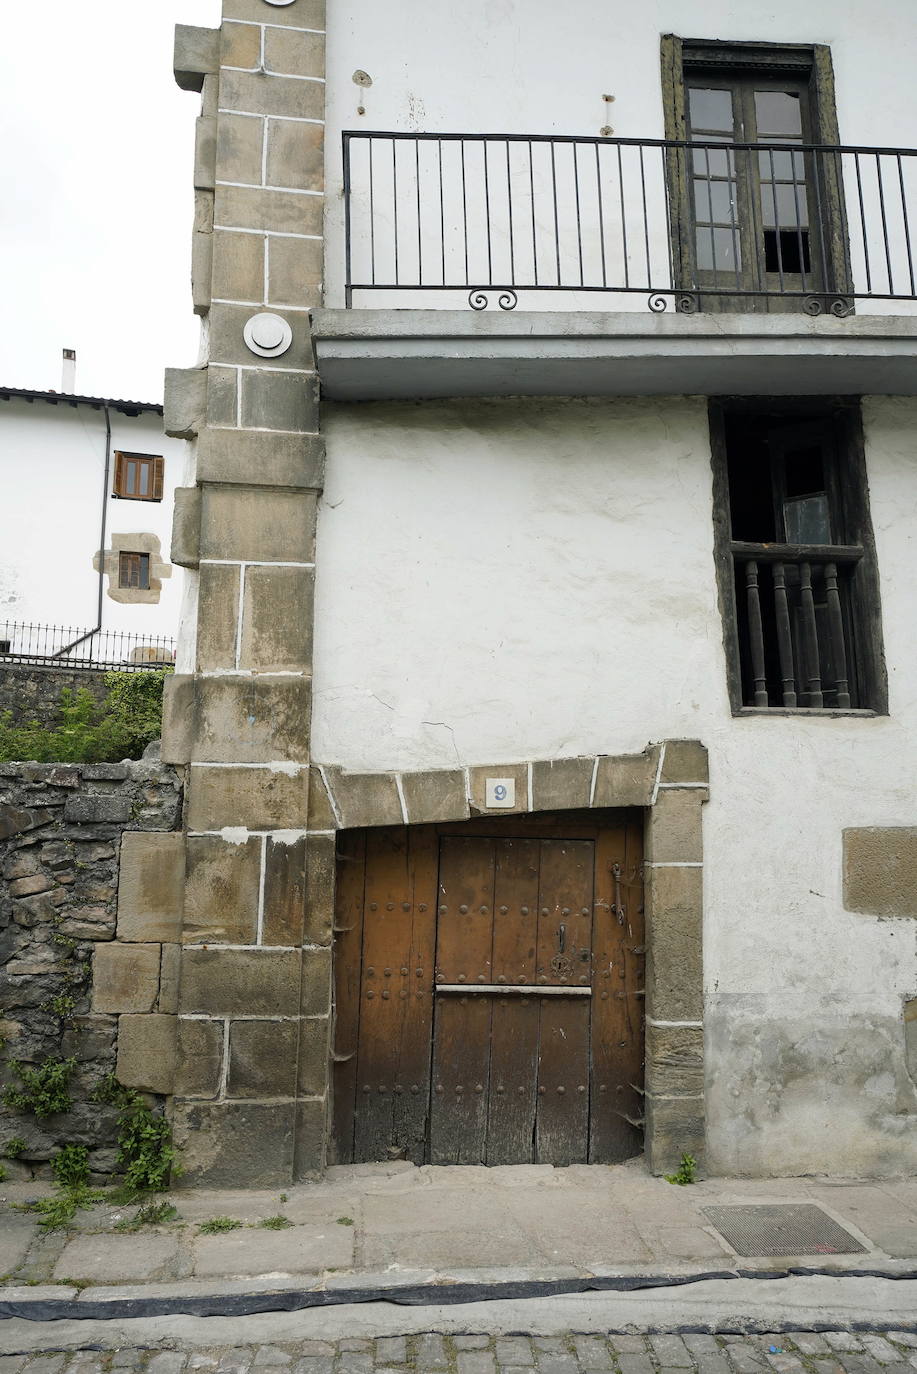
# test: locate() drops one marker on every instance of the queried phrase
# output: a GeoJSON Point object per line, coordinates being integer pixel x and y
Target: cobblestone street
{"type": "Point", "coordinates": [832, 1352]}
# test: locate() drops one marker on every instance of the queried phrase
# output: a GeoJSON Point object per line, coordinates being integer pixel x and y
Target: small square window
{"type": "Point", "coordinates": [138, 477]}
{"type": "Point", "coordinates": [134, 571]}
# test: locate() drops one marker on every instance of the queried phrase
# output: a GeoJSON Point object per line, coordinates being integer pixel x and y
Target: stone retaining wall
{"type": "Point", "coordinates": [33, 693]}
{"type": "Point", "coordinates": [63, 831]}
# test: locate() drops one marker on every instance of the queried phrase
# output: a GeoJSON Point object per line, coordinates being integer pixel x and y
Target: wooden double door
{"type": "Point", "coordinates": [488, 992]}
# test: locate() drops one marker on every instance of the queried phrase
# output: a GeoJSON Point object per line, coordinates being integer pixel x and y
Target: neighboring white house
{"type": "Point", "coordinates": [82, 474]}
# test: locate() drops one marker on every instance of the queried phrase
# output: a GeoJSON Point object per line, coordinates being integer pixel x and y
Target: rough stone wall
{"type": "Point", "coordinates": [34, 693]}
{"type": "Point", "coordinates": [63, 829]}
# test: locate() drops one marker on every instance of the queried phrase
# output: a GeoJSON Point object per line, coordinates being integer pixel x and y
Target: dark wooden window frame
{"type": "Point", "coordinates": [156, 466]}
{"type": "Point", "coordinates": [127, 561]}
{"type": "Point", "coordinates": [868, 653]}
{"type": "Point", "coordinates": [811, 61]}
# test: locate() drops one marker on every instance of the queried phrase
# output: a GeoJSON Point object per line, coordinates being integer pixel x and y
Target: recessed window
{"type": "Point", "coordinates": [798, 579]}
{"type": "Point", "coordinates": [138, 477]}
{"type": "Point", "coordinates": [134, 571]}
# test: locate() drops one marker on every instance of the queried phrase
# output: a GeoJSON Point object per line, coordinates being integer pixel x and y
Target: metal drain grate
{"type": "Point", "coordinates": [782, 1229]}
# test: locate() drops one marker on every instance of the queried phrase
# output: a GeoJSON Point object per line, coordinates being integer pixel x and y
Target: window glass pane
{"type": "Point", "coordinates": [777, 112]}
{"type": "Point", "coordinates": [130, 485]}
{"type": "Point", "coordinates": [790, 203]}
{"type": "Point", "coordinates": [143, 572]}
{"type": "Point", "coordinates": [718, 249]}
{"type": "Point", "coordinates": [711, 162]}
{"type": "Point", "coordinates": [782, 166]}
{"type": "Point", "coordinates": [807, 520]}
{"type": "Point", "coordinates": [144, 479]}
{"type": "Point", "coordinates": [710, 109]}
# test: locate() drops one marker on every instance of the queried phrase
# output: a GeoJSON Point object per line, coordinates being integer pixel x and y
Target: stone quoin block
{"type": "Point", "coordinates": [169, 973]}
{"type": "Point", "coordinates": [199, 1058]}
{"type": "Point", "coordinates": [316, 982]}
{"type": "Point", "coordinates": [880, 870]}
{"type": "Point", "coordinates": [240, 46]}
{"type": "Point", "coordinates": [320, 881]}
{"type": "Point", "coordinates": [258, 523]}
{"type": "Point", "coordinates": [277, 210]}
{"type": "Point", "coordinates": [284, 891]}
{"type": "Point", "coordinates": [435, 796]}
{"type": "Point", "coordinates": [275, 95]}
{"type": "Point", "coordinates": [321, 815]}
{"type": "Point", "coordinates": [293, 53]}
{"type": "Point", "coordinates": [314, 1050]}
{"type": "Point", "coordinates": [240, 982]}
{"type": "Point", "coordinates": [238, 266]}
{"type": "Point", "coordinates": [221, 895]}
{"type": "Point", "coordinates": [295, 157]}
{"type": "Point", "coordinates": [227, 343]}
{"type": "Point", "coordinates": [205, 153]}
{"type": "Point", "coordinates": [147, 1047]}
{"type": "Point", "coordinates": [674, 930]}
{"type": "Point", "coordinates": [277, 619]}
{"type": "Point", "coordinates": [365, 798]}
{"type": "Point", "coordinates": [224, 1143]}
{"type": "Point", "coordinates": [279, 400]}
{"type": "Point", "coordinates": [248, 719]}
{"type": "Point", "coordinates": [311, 1138]}
{"type": "Point", "coordinates": [282, 460]}
{"type": "Point", "coordinates": [150, 886]}
{"type": "Point", "coordinates": [262, 1058]}
{"type": "Point", "coordinates": [295, 271]}
{"type": "Point", "coordinates": [675, 1126]}
{"type": "Point", "coordinates": [626, 780]}
{"type": "Point", "coordinates": [685, 761]}
{"type": "Point", "coordinates": [674, 1060]}
{"type": "Point", "coordinates": [201, 270]}
{"type": "Point", "coordinates": [179, 699]}
{"type": "Point", "coordinates": [222, 395]}
{"type": "Point", "coordinates": [562, 784]}
{"type": "Point", "coordinates": [674, 831]}
{"type": "Point", "coordinates": [259, 798]}
{"type": "Point", "coordinates": [239, 150]}
{"type": "Point", "coordinates": [302, 14]}
{"type": "Point", "coordinates": [196, 54]}
{"type": "Point", "coordinates": [186, 527]}
{"type": "Point", "coordinates": [185, 401]}
{"type": "Point", "coordinates": [217, 616]}
{"type": "Point", "coordinates": [125, 977]}
{"type": "Point", "coordinates": [478, 776]}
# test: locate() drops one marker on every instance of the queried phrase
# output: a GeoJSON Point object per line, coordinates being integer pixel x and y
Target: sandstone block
{"type": "Point", "coordinates": [147, 1052]}
{"type": "Point", "coordinates": [256, 522]}
{"type": "Point", "coordinates": [201, 269]}
{"type": "Point", "coordinates": [277, 619]}
{"type": "Point", "coordinates": [237, 982]}
{"type": "Point", "coordinates": [320, 880]}
{"type": "Point", "coordinates": [517, 771]}
{"type": "Point", "coordinates": [880, 870]}
{"type": "Point", "coordinates": [674, 833]}
{"type": "Point", "coordinates": [284, 891]}
{"type": "Point", "coordinates": [291, 52]}
{"type": "Point", "coordinates": [295, 271]}
{"type": "Point", "coordinates": [279, 400]}
{"type": "Point", "coordinates": [274, 95]}
{"type": "Point", "coordinates": [302, 14]}
{"type": "Point", "coordinates": [281, 460]}
{"type": "Point", "coordinates": [262, 1058]}
{"type": "Point", "coordinates": [217, 616]}
{"type": "Point", "coordinates": [295, 157]}
{"type": "Point", "coordinates": [228, 346]}
{"type": "Point", "coordinates": [321, 816]}
{"type": "Point", "coordinates": [435, 796]}
{"type": "Point", "coordinates": [179, 713]}
{"type": "Point", "coordinates": [238, 266]}
{"type": "Point", "coordinates": [314, 1062]}
{"type": "Point", "coordinates": [258, 798]}
{"type": "Point", "coordinates": [675, 1060]}
{"type": "Point", "coordinates": [562, 784]}
{"type": "Point", "coordinates": [222, 395]}
{"type": "Point", "coordinates": [197, 52]}
{"type": "Point", "coordinates": [311, 1139]}
{"type": "Point", "coordinates": [186, 527]}
{"type": "Point", "coordinates": [221, 894]}
{"type": "Point", "coordinates": [316, 982]}
{"type": "Point", "coordinates": [685, 761]}
{"type": "Point", "coordinates": [185, 401]}
{"type": "Point", "coordinates": [627, 779]}
{"type": "Point", "coordinates": [169, 972]}
{"type": "Point", "coordinates": [150, 886]}
{"type": "Point", "coordinates": [199, 1068]}
{"type": "Point", "coordinates": [250, 719]}
{"type": "Point", "coordinates": [274, 210]}
{"type": "Point", "coordinates": [674, 1126]}
{"type": "Point", "coordinates": [674, 927]}
{"type": "Point", "coordinates": [205, 153]}
{"type": "Point", "coordinates": [365, 798]}
{"type": "Point", "coordinates": [239, 149]}
{"type": "Point", "coordinates": [125, 977]}
{"type": "Point", "coordinates": [234, 1144]}
{"type": "Point", "coordinates": [240, 46]}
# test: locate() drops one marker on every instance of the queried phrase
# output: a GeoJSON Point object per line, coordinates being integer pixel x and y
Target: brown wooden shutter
{"type": "Point", "coordinates": [158, 467]}
{"type": "Point", "coordinates": [118, 486]}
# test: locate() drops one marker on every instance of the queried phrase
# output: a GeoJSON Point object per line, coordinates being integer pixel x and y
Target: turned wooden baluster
{"type": "Point", "coordinates": [836, 625]}
{"type": "Point", "coordinates": [756, 632]}
{"type": "Point", "coordinates": [810, 637]}
{"type": "Point", "coordinates": [784, 637]}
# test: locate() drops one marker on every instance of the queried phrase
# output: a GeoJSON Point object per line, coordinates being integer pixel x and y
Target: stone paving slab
{"type": "Point", "coordinates": [109, 1259]}
{"type": "Point", "coordinates": [298, 1250]}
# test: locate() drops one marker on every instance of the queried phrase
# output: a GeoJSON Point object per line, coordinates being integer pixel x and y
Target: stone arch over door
{"type": "Point", "coordinates": [669, 781]}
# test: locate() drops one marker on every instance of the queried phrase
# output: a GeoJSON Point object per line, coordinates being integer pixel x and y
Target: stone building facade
{"type": "Point", "coordinates": [470, 578]}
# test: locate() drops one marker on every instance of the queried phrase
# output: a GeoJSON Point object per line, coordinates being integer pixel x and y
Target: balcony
{"type": "Point", "coordinates": [621, 266]}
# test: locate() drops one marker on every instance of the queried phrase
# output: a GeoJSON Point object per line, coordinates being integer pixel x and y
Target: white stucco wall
{"type": "Point", "coordinates": [52, 463]}
{"type": "Point", "coordinates": [533, 67]}
{"type": "Point", "coordinates": [506, 580]}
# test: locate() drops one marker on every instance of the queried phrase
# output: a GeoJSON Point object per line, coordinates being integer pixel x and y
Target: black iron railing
{"type": "Point", "coordinates": [795, 624]}
{"type": "Point", "coordinates": [701, 224]}
{"type": "Point", "coordinates": [62, 646]}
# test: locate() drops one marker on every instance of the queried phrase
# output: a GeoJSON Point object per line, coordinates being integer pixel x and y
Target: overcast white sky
{"type": "Point", "coordinates": [96, 203]}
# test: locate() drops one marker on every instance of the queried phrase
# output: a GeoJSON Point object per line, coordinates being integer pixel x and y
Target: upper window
{"type": "Point", "coordinates": [138, 476]}
{"type": "Point", "coordinates": [798, 578]}
{"type": "Point", "coordinates": [761, 227]}
{"type": "Point", "coordinates": [134, 571]}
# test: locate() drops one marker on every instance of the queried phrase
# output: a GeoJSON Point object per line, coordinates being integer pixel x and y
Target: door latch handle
{"type": "Point", "coordinates": [562, 938]}
{"type": "Point", "coordinates": [619, 907]}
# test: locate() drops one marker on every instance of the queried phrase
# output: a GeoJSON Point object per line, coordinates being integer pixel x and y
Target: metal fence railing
{"type": "Point", "coordinates": [62, 646]}
{"type": "Point", "coordinates": [818, 227]}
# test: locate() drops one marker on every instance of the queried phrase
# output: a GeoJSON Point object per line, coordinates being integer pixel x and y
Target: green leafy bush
{"type": "Point", "coordinates": [145, 1148]}
{"type": "Point", "coordinates": [277, 1223]}
{"type": "Point", "coordinates": [45, 1089]}
{"type": "Point", "coordinates": [686, 1172]}
{"type": "Point", "coordinates": [215, 1225]}
{"type": "Point", "coordinates": [87, 732]}
{"type": "Point", "coordinates": [70, 1166]}
{"type": "Point", "coordinates": [150, 1214]}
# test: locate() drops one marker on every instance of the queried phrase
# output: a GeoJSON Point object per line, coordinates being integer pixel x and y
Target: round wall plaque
{"type": "Point", "coordinates": [268, 335]}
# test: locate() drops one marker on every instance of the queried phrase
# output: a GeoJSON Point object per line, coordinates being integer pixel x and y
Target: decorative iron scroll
{"type": "Point", "coordinates": [479, 300]}
{"type": "Point", "coordinates": [817, 305]}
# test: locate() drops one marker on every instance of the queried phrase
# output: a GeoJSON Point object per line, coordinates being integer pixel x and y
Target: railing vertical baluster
{"type": "Point", "coordinates": [509, 206]}
{"type": "Point", "coordinates": [836, 625]}
{"type": "Point", "coordinates": [348, 276]}
{"type": "Point", "coordinates": [755, 632]}
{"type": "Point", "coordinates": [810, 637]}
{"type": "Point", "coordinates": [465, 211]}
{"type": "Point", "coordinates": [395, 205]}
{"type": "Point", "coordinates": [442, 209]}
{"type": "Point", "coordinates": [799, 240]}
{"type": "Point", "coordinates": [419, 236]}
{"type": "Point", "coordinates": [907, 230]}
{"type": "Point", "coordinates": [776, 220]}
{"type": "Point", "coordinates": [490, 259]}
{"type": "Point", "coordinates": [646, 222]}
{"type": "Point", "coordinates": [579, 225]}
{"type": "Point", "coordinates": [598, 188]}
{"type": "Point", "coordinates": [733, 184]}
{"type": "Point", "coordinates": [880, 180]}
{"type": "Point", "coordinates": [534, 228]}
{"type": "Point", "coordinates": [784, 637]}
{"type": "Point", "coordinates": [827, 282]}
{"type": "Point", "coordinates": [623, 219]}
{"type": "Point", "coordinates": [556, 220]}
{"type": "Point", "coordinates": [372, 212]}
{"type": "Point", "coordinates": [856, 164]}
{"type": "Point", "coordinates": [710, 206]}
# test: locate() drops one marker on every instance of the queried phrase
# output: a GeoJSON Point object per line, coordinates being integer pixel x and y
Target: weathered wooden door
{"type": "Point", "coordinates": [488, 998]}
